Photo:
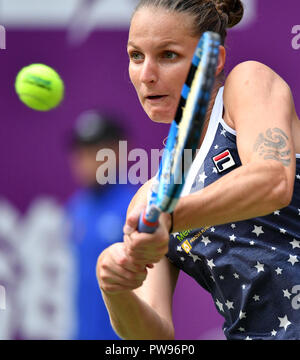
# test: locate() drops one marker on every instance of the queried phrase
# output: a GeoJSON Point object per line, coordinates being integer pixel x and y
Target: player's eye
{"type": "Point", "coordinates": [136, 56]}
{"type": "Point", "coordinates": [170, 55]}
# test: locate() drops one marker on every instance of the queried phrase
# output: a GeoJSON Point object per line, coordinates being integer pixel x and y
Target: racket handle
{"type": "Point", "coordinates": [148, 222]}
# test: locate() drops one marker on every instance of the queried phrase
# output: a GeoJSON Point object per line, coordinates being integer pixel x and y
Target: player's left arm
{"type": "Point", "coordinates": [261, 109]}
{"type": "Point", "coordinates": [259, 106]}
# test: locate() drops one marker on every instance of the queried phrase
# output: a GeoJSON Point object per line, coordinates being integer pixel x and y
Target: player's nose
{"type": "Point", "coordinates": [149, 71]}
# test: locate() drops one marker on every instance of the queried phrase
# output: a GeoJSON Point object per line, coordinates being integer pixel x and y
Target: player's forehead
{"type": "Point", "coordinates": [160, 26]}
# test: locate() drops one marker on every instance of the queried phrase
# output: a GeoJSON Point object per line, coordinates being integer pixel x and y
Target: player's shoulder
{"type": "Point", "coordinates": [253, 71]}
{"type": "Point", "coordinates": [254, 79]}
{"type": "Point", "coordinates": [250, 66]}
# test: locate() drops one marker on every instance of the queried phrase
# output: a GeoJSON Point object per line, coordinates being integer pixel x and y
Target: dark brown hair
{"type": "Point", "coordinates": [209, 15]}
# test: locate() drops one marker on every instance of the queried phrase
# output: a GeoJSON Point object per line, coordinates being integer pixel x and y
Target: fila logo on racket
{"type": "Point", "coordinates": [296, 39]}
{"type": "Point", "coordinates": [223, 161]}
{"type": "Point", "coordinates": [2, 38]}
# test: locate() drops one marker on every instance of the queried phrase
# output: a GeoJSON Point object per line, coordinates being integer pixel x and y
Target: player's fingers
{"type": "Point", "coordinates": [144, 242]}
{"type": "Point", "coordinates": [132, 247]}
{"type": "Point", "coordinates": [150, 266]}
{"type": "Point", "coordinates": [117, 276]}
{"type": "Point", "coordinates": [122, 276]}
{"type": "Point", "coordinates": [135, 263]}
{"type": "Point", "coordinates": [138, 260]}
{"type": "Point", "coordinates": [133, 219]}
{"type": "Point", "coordinates": [143, 251]}
{"type": "Point", "coordinates": [135, 254]}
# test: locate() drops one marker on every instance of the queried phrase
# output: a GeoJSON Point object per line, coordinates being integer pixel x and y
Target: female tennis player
{"type": "Point", "coordinates": [236, 229]}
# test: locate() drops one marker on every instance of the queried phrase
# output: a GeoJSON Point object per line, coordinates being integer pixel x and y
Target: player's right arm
{"type": "Point", "coordinates": [140, 198]}
{"type": "Point", "coordinates": [139, 301]}
{"type": "Point", "coordinates": [137, 312]}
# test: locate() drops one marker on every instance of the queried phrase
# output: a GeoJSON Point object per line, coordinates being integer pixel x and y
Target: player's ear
{"type": "Point", "coordinates": [221, 61]}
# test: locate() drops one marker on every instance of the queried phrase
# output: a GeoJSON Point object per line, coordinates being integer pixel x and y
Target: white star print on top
{"type": "Point", "coordinates": [250, 267]}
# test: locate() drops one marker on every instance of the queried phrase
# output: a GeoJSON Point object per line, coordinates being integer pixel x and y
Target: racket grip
{"type": "Point", "coordinates": [148, 222]}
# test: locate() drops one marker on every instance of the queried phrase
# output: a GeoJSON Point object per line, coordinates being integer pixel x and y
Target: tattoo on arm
{"type": "Point", "coordinates": [274, 145]}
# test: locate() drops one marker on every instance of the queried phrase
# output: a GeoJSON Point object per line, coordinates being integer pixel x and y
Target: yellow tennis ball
{"type": "Point", "coordinates": [39, 87]}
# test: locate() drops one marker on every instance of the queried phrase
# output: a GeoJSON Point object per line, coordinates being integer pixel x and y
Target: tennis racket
{"type": "Point", "coordinates": [184, 133]}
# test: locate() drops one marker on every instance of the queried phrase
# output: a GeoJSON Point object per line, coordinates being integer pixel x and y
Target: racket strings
{"type": "Point", "coordinates": [192, 120]}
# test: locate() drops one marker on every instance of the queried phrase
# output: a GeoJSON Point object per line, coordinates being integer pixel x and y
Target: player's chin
{"type": "Point", "coordinates": [162, 120]}
{"type": "Point", "coordinates": [162, 115]}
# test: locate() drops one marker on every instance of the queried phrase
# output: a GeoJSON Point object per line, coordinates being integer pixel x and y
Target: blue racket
{"type": "Point", "coordinates": [185, 132]}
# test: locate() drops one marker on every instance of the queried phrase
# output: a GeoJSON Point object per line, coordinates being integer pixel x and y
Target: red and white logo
{"type": "Point", "coordinates": [224, 161]}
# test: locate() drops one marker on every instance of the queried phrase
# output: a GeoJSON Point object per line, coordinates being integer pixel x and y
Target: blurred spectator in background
{"type": "Point", "coordinates": [97, 215]}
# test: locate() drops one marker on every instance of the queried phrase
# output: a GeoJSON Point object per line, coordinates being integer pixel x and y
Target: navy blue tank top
{"type": "Point", "coordinates": [251, 268]}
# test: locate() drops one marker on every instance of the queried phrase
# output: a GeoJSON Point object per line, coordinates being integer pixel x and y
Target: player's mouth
{"type": "Point", "coordinates": [155, 98]}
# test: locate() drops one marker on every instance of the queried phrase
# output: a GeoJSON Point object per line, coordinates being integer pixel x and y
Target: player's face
{"type": "Point", "coordinates": [160, 48]}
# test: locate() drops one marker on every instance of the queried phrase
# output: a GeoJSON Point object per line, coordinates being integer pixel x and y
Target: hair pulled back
{"type": "Point", "coordinates": [209, 15]}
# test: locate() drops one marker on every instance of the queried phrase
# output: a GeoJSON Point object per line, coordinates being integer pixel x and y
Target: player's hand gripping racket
{"type": "Point", "coordinates": [185, 132]}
